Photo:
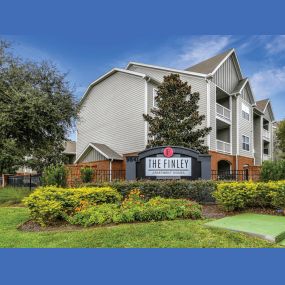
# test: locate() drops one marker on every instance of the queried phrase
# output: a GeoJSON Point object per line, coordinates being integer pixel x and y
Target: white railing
{"type": "Point", "coordinates": [223, 146]}
{"type": "Point", "coordinates": [223, 112]}
{"type": "Point", "coordinates": [266, 157]}
{"type": "Point", "coordinates": [266, 134]}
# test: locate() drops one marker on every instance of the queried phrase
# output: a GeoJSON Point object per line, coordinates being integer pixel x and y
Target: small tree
{"type": "Point", "coordinates": [55, 175]}
{"type": "Point", "coordinates": [176, 119]}
{"type": "Point", "coordinates": [86, 174]}
{"type": "Point", "coordinates": [281, 138]}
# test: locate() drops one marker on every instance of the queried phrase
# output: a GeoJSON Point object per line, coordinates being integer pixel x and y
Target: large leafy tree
{"type": "Point", "coordinates": [281, 137]}
{"type": "Point", "coordinates": [176, 119]}
{"type": "Point", "coordinates": [38, 110]}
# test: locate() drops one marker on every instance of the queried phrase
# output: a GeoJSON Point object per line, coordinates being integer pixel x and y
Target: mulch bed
{"type": "Point", "coordinates": [214, 212]}
{"type": "Point", "coordinates": [31, 226]}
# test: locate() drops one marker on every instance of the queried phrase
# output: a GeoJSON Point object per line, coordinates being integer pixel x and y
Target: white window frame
{"type": "Point", "coordinates": [154, 95]}
{"type": "Point", "coordinates": [242, 142]}
{"type": "Point", "coordinates": [245, 111]}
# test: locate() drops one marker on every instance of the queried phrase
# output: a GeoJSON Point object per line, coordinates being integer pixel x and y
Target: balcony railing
{"type": "Point", "coordinates": [266, 134]}
{"type": "Point", "coordinates": [266, 157]}
{"type": "Point", "coordinates": [223, 112]}
{"type": "Point", "coordinates": [223, 146]}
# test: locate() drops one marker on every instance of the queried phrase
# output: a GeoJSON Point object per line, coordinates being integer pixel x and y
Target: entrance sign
{"type": "Point", "coordinates": [168, 151]}
{"type": "Point", "coordinates": [168, 162]}
{"type": "Point", "coordinates": [168, 166]}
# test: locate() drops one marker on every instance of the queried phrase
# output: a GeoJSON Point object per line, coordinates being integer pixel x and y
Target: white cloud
{"type": "Point", "coordinates": [200, 48]}
{"type": "Point", "coordinates": [276, 45]}
{"type": "Point", "coordinates": [268, 83]}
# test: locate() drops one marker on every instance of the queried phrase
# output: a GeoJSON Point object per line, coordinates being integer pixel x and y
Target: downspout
{"type": "Point", "coordinates": [147, 79]}
{"type": "Point", "coordinates": [237, 133]}
{"type": "Point", "coordinates": [110, 169]}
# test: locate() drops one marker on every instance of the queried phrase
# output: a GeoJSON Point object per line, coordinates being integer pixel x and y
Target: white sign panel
{"type": "Point", "coordinates": [168, 166]}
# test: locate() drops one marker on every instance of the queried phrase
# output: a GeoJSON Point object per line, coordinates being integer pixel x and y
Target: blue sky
{"type": "Point", "coordinates": [262, 58]}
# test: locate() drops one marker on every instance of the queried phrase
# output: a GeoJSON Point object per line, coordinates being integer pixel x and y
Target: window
{"type": "Point", "coordinates": [245, 143]}
{"type": "Point", "coordinates": [245, 112]}
{"type": "Point", "coordinates": [154, 95]}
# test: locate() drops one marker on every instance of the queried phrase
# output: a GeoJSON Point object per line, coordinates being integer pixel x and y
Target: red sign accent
{"type": "Point", "coordinates": [168, 152]}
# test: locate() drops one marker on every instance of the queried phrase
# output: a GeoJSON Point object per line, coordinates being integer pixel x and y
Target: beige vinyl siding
{"type": "Point", "coordinates": [213, 120]}
{"type": "Point", "coordinates": [257, 137]}
{"type": "Point", "coordinates": [226, 76]}
{"type": "Point", "coordinates": [245, 94]}
{"type": "Point", "coordinates": [234, 125]}
{"type": "Point", "coordinates": [92, 155]}
{"type": "Point", "coordinates": [112, 114]}
{"type": "Point", "coordinates": [245, 128]}
{"type": "Point", "coordinates": [197, 84]}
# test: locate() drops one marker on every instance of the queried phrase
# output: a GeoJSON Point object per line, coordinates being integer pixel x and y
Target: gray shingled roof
{"type": "Point", "coordinates": [209, 65]}
{"type": "Point", "coordinates": [239, 86]}
{"type": "Point", "coordinates": [261, 104]}
{"type": "Point", "coordinates": [69, 147]}
{"type": "Point", "coordinates": [106, 151]}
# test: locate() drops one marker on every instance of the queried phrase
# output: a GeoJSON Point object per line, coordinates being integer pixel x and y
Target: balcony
{"type": "Point", "coordinates": [223, 113]}
{"type": "Point", "coordinates": [266, 157]}
{"type": "Point", "coordinates": [223, 146]}
{"type": "Point", "coordinates": [266, 135]}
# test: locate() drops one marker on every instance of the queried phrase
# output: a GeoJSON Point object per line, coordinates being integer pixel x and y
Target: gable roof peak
{"type": "Point", "coordinates": [209, 65]}
{"type": "Point", "coordinates": [261, 104]}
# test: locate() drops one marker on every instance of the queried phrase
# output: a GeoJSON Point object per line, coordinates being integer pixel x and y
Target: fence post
{"type": "Point", "coordinates": [30, 182]}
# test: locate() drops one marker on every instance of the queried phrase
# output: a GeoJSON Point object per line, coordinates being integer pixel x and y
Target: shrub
{"type": "Point", "coordinates": [47, 204]}
{"type": "Point", "coordinates": [134, 208]}
{"type": "Point", "coordinates": [86, 174]}
{"type": "Point", "coordinates": [55, 175]}
{"type": "Point", "coordinates": [199, 190]}
{"type": "Point", "coordinates": [241, 195]}
{"type": "Point", "coordinates": [273, 170]}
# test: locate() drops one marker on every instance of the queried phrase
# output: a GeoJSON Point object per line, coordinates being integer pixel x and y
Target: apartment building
{"type": "Point", "coordinates": [112, 107]}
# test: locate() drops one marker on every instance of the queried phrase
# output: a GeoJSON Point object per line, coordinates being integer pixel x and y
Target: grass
{"type": "Point", "coordinates": [13, 195]}
{"type": "Point", "coordinates": [179, 233]}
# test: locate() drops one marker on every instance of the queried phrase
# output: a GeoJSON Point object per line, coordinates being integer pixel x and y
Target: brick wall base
{"type": "Point", "coordinates": [101, 171]}
{"type": "Point", "coordinates": [242, 160]}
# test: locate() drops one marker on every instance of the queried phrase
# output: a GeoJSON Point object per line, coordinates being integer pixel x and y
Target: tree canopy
{"type": "Point", "coordinates": [38, 110]}
{"type": "Point", "coordinates": [281, 137]}
{"type": "Point", "coordinates": [176, 120]}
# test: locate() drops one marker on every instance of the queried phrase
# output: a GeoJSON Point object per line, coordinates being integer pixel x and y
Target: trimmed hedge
{"type": "Point", "coordinates": [50, 203]}
{"type": "Point", "coordinates": [198, 190]}
{"type": "Point", "coordinates": [241, 195]}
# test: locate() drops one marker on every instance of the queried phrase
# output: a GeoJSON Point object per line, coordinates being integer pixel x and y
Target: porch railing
{"type": "Point", "coordinates": [266, 134]}
{"type": "Point", "coordinates": [223, 146]}
{"type": "Point", "coordinates": [223, 112]}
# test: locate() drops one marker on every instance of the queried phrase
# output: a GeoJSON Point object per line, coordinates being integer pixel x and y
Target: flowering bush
{"type": "Point", "coordinates": [135, 208]}
{"type": "Point", "coordinates": [97, 206]}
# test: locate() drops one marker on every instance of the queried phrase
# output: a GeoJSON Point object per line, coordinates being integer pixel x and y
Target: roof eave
{"type": "Point", "coordinates": [197, 74]}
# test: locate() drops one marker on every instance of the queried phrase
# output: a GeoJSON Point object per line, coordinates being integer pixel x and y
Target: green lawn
{"type": "Point", "coordinates": [180, 233]}
{"type": "Point", "coordinates": [12, 195]}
